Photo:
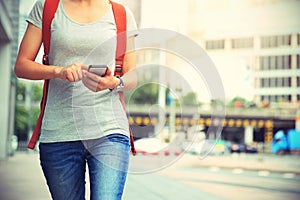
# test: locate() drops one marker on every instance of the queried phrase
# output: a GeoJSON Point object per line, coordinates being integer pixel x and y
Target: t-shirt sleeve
{"type": "Point", "coordinates": [131, 23]}
{"type": "Point", "coordinates": [35, 15]}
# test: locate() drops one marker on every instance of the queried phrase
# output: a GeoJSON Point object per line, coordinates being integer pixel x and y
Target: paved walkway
{"type": "Point", "coordinates": [21, 176]}
{"type": "Point", "coordinates": [258, 162]}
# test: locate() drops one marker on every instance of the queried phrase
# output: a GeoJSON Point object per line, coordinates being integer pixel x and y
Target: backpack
{"type": "Point", "coordinates": [50, 8]}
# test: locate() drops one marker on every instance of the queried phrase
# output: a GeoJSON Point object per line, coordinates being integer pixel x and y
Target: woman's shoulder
{"type": "Point", "coordinates": [35, 15]}
{"type": "Point", "coordinates": [39, 5]}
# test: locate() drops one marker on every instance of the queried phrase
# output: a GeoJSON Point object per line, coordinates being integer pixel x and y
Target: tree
{"type": "Point", "coordinates": [190, 99]}
{"type": "Point", "coordinates": [237, 102]}
{"type": "Point", "coordinates": [22, 113]}
{"type": "Point", "coordinates": [21, 121]}
{"type": "Point", "coordinates": [37, 92]}
{"type": "Point", "coordinates": [145, 94]}
{"type": "Point", "coordinates": [21, 90]}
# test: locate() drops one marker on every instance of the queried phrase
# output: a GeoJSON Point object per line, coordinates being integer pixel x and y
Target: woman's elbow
{"type": "Point", "coordinates": [17, 71]}
{"type": "Point", "coordinates": [131, 80]}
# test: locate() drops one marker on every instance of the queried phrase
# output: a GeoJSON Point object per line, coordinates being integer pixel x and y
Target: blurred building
{"type": "Point", "coordinates": [255, 41]}
{"type": "Point", "coordinates": [9, 22]}
{"type": "Point", "coordinates": [260, 35]}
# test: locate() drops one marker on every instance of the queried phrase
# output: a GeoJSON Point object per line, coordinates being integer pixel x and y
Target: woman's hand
{"type": "Point", "coordinates": [71, 73]}
{"type": "Point", "coordinates": [98, 83]}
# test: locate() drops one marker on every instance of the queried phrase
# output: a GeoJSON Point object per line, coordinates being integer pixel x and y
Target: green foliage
{"type": "Point", "coordinates": [146, 94]}
{"type": "Point", "coordinates": [21, 90]}
{"type": "Point", "coordinates": [37, 92]}
{"type": "Point", "coordinates": [240, 101]}
{"type": "Point", "coordinates": [22, 114]}
{"type": "Point", "coordinates": [21, 120]}
{"type": "Point", "coordinates": [190, 99]}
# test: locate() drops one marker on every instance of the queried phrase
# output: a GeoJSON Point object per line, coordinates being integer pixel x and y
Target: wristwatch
{"type": "Point", "coordinates": [119, 87]}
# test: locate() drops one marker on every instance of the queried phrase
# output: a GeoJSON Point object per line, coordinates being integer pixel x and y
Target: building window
{"type": "Point", "coordinates": [264, 98]}
{"type": "Point", "coordinates": [285, 97]}
{"type": "Point", "coordinates": [275, 41]}
{"type": "Point", "coordinates": [298, 81]}
{"type": "Point", "coordinates": [264, 83]}
{"type": "Point", "coordinates": [287, 82]}
{"type": "Point", "coordinates": [287, 62]}
{"type": "Point", "coordinates": [298, 61]}
{"type": "Point", "coordinates": [277, 82]}
{"type": "Point", "coordinates": [272, 41]}
{"type": "Point", "coordinates": [272, 62]}
{"type": "Point", "coordinates": [299, 39]}
{"type": "Point", "coordinates": [273, 82]}
{"type": "Point", "coordinates": [264, 63]}
{"type": "Point", "coordinates": [279, 62]}
{"type": "Point", "coordinates": [275, 62]}
{"type": "Point", "coordinates": [215, 44]}
{"type": "Point", "coordinates": [242, 43]}
{"type": "Point", "coordinates": [276, 98]}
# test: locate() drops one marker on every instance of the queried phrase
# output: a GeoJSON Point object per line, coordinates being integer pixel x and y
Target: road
{"type": "Point", "coordinates": [193, 183]}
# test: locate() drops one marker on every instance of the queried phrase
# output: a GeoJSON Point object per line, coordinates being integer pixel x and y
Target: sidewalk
{"type": "Point", "coordinates": [21, 177]}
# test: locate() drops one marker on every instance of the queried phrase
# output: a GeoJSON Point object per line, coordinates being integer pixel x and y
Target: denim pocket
{"type": "Point", "coordinates": [119, 138]}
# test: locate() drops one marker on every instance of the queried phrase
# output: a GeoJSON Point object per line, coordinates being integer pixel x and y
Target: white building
{"type": "Point", "coordinates": [255, 44]}
{"type": "Point", "coordinates": [260, 35]}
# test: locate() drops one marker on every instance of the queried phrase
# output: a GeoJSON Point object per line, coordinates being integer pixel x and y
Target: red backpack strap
{"type": "Point", "coordinates": [50, 8]}
{"type": "Point", "coordinates": [121, 23]}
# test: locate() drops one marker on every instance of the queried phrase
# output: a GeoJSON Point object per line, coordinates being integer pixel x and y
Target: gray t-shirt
{"type": "Point", "coordinates": [72, 111]}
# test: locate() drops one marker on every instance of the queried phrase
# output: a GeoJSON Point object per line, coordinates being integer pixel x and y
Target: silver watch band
{"type": "Point", "coordinates": [120, 86]}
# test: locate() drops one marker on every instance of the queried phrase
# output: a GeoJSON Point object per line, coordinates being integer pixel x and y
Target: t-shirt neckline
{"type": "Point", "coordinates": [84, 24]}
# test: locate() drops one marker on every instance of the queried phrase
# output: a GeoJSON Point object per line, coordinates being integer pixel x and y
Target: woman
{"type": "Point", "coordinates": [84, 121]}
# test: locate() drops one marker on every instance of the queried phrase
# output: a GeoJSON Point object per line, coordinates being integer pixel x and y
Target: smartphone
{"type": "Point", "coordinates": [100, 70]}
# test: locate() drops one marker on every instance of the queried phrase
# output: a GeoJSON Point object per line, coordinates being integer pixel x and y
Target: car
{"type": "Point", "coordinates": [238, 148]}
{"type": "Point", "coordinates": [243, 148]}
{"type": "Point", "coordinates": [252, 148]}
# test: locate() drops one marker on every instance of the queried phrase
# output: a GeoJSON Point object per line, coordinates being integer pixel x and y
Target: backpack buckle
{"type": "Point", "coordinates": [119, 67]}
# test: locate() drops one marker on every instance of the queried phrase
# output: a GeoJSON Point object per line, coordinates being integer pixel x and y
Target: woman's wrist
{"type": "Point", "coordinates": [119, 84]}
{"type": "Point", "coordinates": [57, 71]}
{"type": "Point", "coordinates": [116, 83]}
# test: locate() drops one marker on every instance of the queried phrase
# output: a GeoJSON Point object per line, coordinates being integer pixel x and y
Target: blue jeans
{"type": "Point", "coordinates": [64, 167]}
